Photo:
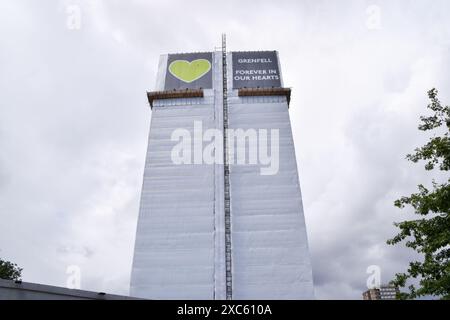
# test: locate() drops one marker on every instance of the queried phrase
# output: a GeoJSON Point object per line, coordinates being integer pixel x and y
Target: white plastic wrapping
{"type": "Point", "coordinates": [174, 250]}
{"type": "Point", "coordinates": [180, 247]}
{"type": "Point", "coordinates": [269, 243]}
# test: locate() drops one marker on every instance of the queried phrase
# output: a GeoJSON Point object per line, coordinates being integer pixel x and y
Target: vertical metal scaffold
{"type": "Point", "coordinates": [228, 265]}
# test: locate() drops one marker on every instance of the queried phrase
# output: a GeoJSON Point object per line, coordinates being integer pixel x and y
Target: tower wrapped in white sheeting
{"type": "Point", "coordinates": [180, 248]}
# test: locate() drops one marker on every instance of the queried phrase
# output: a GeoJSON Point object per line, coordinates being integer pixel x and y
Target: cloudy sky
{"type": "Point", "coordinates": [74, 121]}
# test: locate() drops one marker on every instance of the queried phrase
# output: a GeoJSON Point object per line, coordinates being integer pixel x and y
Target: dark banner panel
{"type": "Point", "coordinates": [189, 71]}
{"type": "Point", "coordinates": [253, 69]}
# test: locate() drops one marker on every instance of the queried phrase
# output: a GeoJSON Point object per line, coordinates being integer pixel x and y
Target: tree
{"type": "Point", "coordinates": [9, 270]}
{"type": "Point", "coordinates": [429, 234]}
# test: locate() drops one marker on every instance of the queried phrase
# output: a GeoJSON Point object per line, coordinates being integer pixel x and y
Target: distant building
{"type": "Point", "coordinates": [385, 292]}
{"type": "Point", "coordinates": [372, 294]}
{"type": "Point", "coordinates": [388, 292]}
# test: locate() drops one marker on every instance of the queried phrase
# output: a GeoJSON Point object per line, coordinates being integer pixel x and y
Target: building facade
{"type": "Point", "coordinates": [231, 228]}
{"type": "Point", "coordinates": [371, 294]}
{"type": "Point", "coordinates": [389, 292]}
{"type": "Point", "coordinates": [384, 292]}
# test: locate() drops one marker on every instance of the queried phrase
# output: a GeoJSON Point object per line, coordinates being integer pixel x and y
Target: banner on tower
{"type": "Point", "coordinates": [253, 69]}
{"type": "Point", "coordinates": [189, 71]}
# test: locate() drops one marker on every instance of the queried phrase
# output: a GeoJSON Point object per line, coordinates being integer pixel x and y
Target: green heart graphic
{"type": "Point", "coordinates": [189, 71]}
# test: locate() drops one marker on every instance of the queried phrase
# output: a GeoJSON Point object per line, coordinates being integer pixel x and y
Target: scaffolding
{"type": "Point", "coordinates": [228, 264]}
{"type": "Point", "coordinates": [173, 94]}
{"type": "Point", "coordinates": [246, 92]}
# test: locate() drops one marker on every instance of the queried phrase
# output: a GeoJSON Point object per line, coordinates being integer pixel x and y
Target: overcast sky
{"type": "Point", "coordinates": [74, 120]}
